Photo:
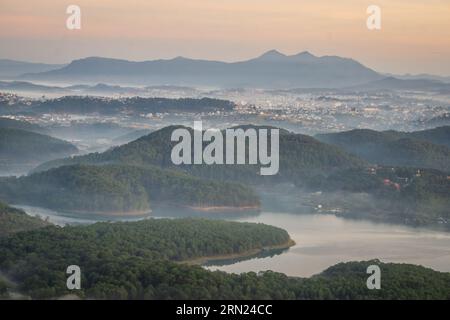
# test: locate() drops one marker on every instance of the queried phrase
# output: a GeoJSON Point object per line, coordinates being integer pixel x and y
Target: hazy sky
{"type": "Point", "coordinates": [415, 35]}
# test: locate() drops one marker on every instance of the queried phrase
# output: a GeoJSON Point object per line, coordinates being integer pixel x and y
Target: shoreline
{"type": "Point", "coordinates": [87, 214]}
{"type": "Point", "coordinates": [249, 253]}
{"type": "Point", "coordinates": [145, 213]}
{"type": "Point", "coordinates": [116, 214]}
{"type": "Point", "coordinates": [222, 208]}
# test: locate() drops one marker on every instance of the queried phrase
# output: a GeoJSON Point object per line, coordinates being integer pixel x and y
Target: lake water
{"type": "Point", "coordinates": [324, 240]}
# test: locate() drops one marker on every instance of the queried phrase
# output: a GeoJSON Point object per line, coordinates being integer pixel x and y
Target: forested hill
{"type": "Point", "coordinates": [154, 239]}
{"type": "Point", "coordinates": [119, 189]}
{"type": "Point", "coordinates": [135, 260]}
{"type": "Point", "coordinates": [300, 156]}
{"type": "Point", "coordinates": [422, 149]}
{"type": "Point", "coordinates": [399, 282]}
{"type": "Point", "coordinates": [405, 194]}
{"type": "Point", "coordinates": [20, 146]}
{"type": "Point", "coordinates": [127, 247]}
{"type": "Point", "coordinates": [13, 220]}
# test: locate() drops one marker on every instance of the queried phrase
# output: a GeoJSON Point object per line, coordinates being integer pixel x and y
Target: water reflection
{"type": "Point", "coordinates": [272, 253]}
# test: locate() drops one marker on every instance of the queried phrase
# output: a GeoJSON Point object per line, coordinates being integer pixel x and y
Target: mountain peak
{"type": "Point", "coordinates": [94, 60]}
{"type": "Point", "coordinates": [180, 58]}
{"type": "Point", "coordinates": [305, 55]}
{"type": "Point", "coordinates": [272, 54]}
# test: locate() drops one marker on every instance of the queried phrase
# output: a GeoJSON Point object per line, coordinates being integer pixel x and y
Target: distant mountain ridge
{"type": "Point", "coordinates": [270, 70]}
{"type": "Point", "coordinates": [13, 68]}
{"type": "Point", "coordinates": [392, 83]}
{"type": "Point", "coordinates": [420, 76]}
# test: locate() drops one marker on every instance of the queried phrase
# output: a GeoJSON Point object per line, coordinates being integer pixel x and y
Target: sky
{"type": "Point", "coordinates": [414, 35]}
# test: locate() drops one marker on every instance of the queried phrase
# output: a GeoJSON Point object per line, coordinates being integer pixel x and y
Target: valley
{"type": "Point", "coordinates": [363, 176]}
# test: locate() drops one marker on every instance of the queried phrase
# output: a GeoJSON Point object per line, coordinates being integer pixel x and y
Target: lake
{"type": "Point", "coordinates": [325, 240]}
{"type": "Point", "coordinates": [322, 241]}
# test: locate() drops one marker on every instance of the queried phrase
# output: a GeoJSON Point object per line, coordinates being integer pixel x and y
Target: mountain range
{"type": "Point", "coordinates": [270, 70]}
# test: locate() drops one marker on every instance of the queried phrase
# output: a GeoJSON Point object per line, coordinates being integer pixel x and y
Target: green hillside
{"type": "Point", "coordinates": [20, 146]}
{"type": "Point", "coordinates": [424, 149]}
{"type": "Point", "coordinates": [300, 156]}
{"type": "Point", "coordinates": [121, 189]}
{"type": "Point", "coordinates": [46, 253]}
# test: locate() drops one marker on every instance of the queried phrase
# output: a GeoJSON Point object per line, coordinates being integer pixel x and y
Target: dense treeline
{"type": "Point", "coordinates": [399, 281]}
{"type": "Point", "coordinates": [171, 239]}
{"type": "Point", "coordinates": [87, 105]}
{"type": "Point", "coordinates": [136, 277]}
{"type": "Point", "coordinates": [105, 249]}
{"type": "Point", "coordinates": [13, 220]}
{"type": "Point", "coordinates": [165, 280]}
{"type": "Point", "coordinates": [114, 188]}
